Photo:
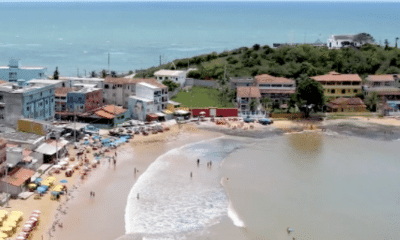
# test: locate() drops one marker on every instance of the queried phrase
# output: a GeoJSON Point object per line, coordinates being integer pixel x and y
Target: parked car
{"type": "Point", "coordinates": [248, 120]}
{"type": "Point", "coordinates": [265, 121]}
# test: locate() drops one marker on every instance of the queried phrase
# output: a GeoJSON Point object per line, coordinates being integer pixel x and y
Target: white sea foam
{"type": "Point", "coordinates": [169, 202]}
{"type": "Point", "coordinates": [234, 216]}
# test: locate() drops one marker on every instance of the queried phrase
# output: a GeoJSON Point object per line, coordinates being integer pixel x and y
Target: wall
{"type": "Point", "coordinates": [76, 101]}
{"type": "Point", "coordinates": [31, 127]}
{"type": "Point", "coordinates": [94, 99]}
{"type": "Point", "coordinates": [225, 112]}
{"type": "Point", "coordinates": [39, 103]}
{"type": "Point", "coordinates": [198, 82]}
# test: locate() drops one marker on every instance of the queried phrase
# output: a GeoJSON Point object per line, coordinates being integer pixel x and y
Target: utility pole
{"type": "Point", "coordinates": [160, 60]}
{"type": "Point", "coordinates": [7, 186]}
{"type": "Point", "coordinates": [77, 72]}
{"type": "Point", "coordinates": [74, 124]}
{"type": "Point", "coordinates": [108, 63]}
{"type": "Point", "coordinates": [85, 72]}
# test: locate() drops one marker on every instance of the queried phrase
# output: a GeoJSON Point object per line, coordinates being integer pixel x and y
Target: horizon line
{"type": "Point", "coordinates": [201, 1]}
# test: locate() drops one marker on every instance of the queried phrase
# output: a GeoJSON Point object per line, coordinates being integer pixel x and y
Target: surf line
{"type": "Point", "coordinates": [152, 166]}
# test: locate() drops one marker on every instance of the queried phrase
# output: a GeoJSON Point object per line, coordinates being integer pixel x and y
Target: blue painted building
{"type": "Point", "coordinates": [35, 101]}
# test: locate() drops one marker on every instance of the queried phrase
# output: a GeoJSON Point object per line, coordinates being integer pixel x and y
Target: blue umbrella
{"type": "Point", "coordinates": [63, 181]}
{"type": "Point", "coordinates": [38, 180]}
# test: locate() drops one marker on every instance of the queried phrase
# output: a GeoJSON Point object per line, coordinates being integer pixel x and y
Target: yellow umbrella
{"type": "Point", "coordinates": [58, 188]}
{"type": "Point", "coordinates": [6, 229]}
{"type": "Point", "coordinates": [17, 213]}
{"type": "Point", "coordinates": [10, 224]}
{"type": "Point", "coordinates": [3, 235]}
{"type": "Point", "coordinates": [3, 212]}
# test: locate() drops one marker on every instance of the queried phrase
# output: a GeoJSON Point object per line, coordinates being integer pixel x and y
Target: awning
{"type": "Point", "coordinates": [173, 103]}
{"type": "Point", "coordinates": [50, 149]}
{"type": "Point", "coordinates": [181, 112]}
{"type": "Point", "coordinates": [152, 115]}
{"type": "Point", "coordinates": [160, 114]}
{"type": "Point", "coordinates": [168, 112]}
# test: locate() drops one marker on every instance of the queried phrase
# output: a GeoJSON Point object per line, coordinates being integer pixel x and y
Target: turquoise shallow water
{"type": "Point", "coordinates": [76, 36]}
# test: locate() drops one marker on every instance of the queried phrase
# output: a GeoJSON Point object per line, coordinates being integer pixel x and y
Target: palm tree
{"type": "Point", "coordinates": [396, 41]}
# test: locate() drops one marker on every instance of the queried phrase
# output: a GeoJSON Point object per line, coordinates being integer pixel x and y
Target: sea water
{"type": "Point", "coordinates": [322, 186]}
{"type": "Point", "coordinates": [78, 37]}
{"type": "Point", "coordinates": [172, 204]}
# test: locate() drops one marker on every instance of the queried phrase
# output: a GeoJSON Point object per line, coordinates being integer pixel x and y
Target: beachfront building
{"type": "Point", "coordinates": [235, 82]}
{"type": "Point", "coordinates": [385, 87]}
{"type": "Point", "coordinates": [154, 93]}
{"type": "Point", "coordinates": [16, 180]}
{"type": "Point", "coordinates": [140, 107]}
{"type": "Point", "coordinates": [245, 95]}
{"type": "Point", "coordinates": [338, 85]}
{"type": "Point", "coordinates": [118, 90]}
{"type": "Point", "coordinates": [105, 116]}
{"type": "Point", "coordinates": [278, 89]}
{"type": "Point", "coordinates": [173, 75]}
{"type": "Point", "coordinates": [346, 105]}
{"type": "Point", "coordinates": [34, 101]}
{"type": "Point", "coordinates": [15, 71]}
{"type": "Point", "coordinates": [341, 41]}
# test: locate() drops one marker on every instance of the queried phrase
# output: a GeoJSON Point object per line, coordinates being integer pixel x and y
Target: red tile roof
{"type": "Point", "coordinates": [18, 177]}
{"type": "Point", "coordinates": [62, 92]}
{"type": "Point", "coordinates": [265, 78]}
{"type": "Point", "coordinates": [248, 92]}
{"type": "Point", "coordinates": [380, 78]}
{"type": "Point", "coordinates": [337, 77]}
{"type": "Point", "coordinates": [104, 114]}
{"type": "Point", "coordinates": [288, 91]}
{"type": "Point", "coordinates": [113, 109]}
{"type": "Point", "coordinates": [350, 102]}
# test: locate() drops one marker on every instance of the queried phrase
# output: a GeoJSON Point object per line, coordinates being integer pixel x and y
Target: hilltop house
{"type": "Point", "coordinates": [245, 95]}
{"type": "Point", "coordinates": [385, 87]}
{"type": "Point", "coordinates": [346, 105]}
{"type": "Point", "coordinates": [341, 41]}
{"type": "Point", "coordinates": [235, 82]}
{"type": "Point", "coordinates": [173, 75]}
{"type": "Point", "coordinates": [339, 85]}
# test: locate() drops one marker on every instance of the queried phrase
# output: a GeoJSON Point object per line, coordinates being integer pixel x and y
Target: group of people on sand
{"type": "Point", "coordinates": [209, 165]}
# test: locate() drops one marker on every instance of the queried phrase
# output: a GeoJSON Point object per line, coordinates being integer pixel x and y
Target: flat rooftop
{"type": "Point", "coordinates": [148, 85]}
{"type": "Point", "coordinates": [82, 79]}
{"type": "Point", "coordinates": [141, 99]}
{"type": "Point", "coordinates": [22, 137]}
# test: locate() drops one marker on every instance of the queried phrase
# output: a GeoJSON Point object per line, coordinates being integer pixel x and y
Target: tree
{"type": "Point", "coordinates": [310, 95]}
{"type": "Point", "coordinates": [291, 102]}
{"type": "Point", "coordinates": [265, 101]}
{"type": "Point", "coordinates": [103, 73]}
{"type": "Point", "coordinates": [386, 42]}
{"type": "Point", "coordinates": [396, 41]}
{"type": "Point", "coordinates": [364, 38]}
{"type": "Point", "coordinates": [256, 47]}
{"type": "Point", "coordinates": [194, 74]}
{"type": "Point", "coordinates": [93, 74]}
{"type": "Point", "coordinates": [372, 101]}
{"type": "Point", "coordinates": [360, 95]}
{"type": "Point", "coordinates": [253, 104]}
{"type": "Point", "coordinates": [171, 85]}
{"type": "Point", "coordinates": [55, 75]}
{"type": "Point", "coordinates": [113, 74]}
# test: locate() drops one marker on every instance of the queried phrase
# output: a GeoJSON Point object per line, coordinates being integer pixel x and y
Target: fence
{"type": "Point", "coordinates": [224, 112]}
{"type": "Point", "coordinates": [287, 115]}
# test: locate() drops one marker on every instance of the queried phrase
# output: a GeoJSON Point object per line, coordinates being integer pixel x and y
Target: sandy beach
{"type": "Point", "coordinates": [82, 216]}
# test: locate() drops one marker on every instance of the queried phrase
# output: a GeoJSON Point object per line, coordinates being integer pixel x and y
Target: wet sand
{"type": "Point", "coordinates": [103, 216]}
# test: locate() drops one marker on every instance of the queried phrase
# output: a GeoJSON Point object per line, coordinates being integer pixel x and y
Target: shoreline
{"type": "Point", "coordinates": [52, 211]}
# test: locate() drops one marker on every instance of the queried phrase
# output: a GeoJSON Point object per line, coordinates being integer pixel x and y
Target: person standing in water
{"type": "Point", "coordinates": [191, 174]}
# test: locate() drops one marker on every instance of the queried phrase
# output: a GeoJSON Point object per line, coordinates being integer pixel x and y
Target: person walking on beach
{"type": "Point", "coordinates": [210, 164]}
{"type": "Point", "coordinates": [91, 194]}
{"type": "Point", "coordinates": [191, 174]}
{"type": "Point", "coordinates": [198, 162]}
{"type": "Point", "coordinates": [138, 196]}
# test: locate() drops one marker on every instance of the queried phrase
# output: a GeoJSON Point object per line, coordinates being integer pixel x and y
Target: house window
{"type": "Point", "coordinates": [27, 109]}
{"type": "Point", "coordinates": [343, 91]}
{"type": "Point", "coordinates": [41, 94]}
{"type": "Point", "coordinates": [355, 90]}
{"type": "Point", "coordinates": [333, 91]}
{"type": "Point", "coordinates": [106, 86]}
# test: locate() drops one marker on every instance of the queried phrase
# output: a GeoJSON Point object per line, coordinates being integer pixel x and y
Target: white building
{"type": "Point", "coordinates": [79, 81]}
{"type": "Point", "coordinates": [173, 75]}
{"type": "Point", "coordinates": [340, 41]}
{"type": "Point", "coordinates": [118, 90]}
{"type": "Point", "coordinates": [14, 71]}
{"type": "Point", "coordinates": [153, 93]}
{"type": "Point", "coordinates": [140, 107]}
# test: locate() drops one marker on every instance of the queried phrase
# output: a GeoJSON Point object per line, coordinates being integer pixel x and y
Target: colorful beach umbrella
{"type": "Point", "coordinates": [63, 181]}
{"type": "Point", "coordinates": [3, 235]}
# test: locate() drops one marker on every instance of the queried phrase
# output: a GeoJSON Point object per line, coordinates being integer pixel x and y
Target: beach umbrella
{"type": "Point", "coordinates": [3, 235]}
{"type": "Point", "coordinates": [37, 211]}
{"type": "Point", "coordinates": [38, 180]}
{"type": "Point", "coordinates": [11, 224]}
{"type": "Point", "coordinates": [21, 238]}
{"type": "Point", "coordinates": [64, 181]}
{"type": "Point", "coordinates": [33, 219]}
{"type": "Point", "coordinates": [57, 167]}
{"type": "Point", "coordinates": [6, 229]}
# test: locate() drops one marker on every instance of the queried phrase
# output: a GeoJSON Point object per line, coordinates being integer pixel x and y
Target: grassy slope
{"type": "Point", "coordinates": [200, 97]}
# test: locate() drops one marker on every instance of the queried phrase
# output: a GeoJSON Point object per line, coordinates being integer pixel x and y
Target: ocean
{"type": "Point", "coordinates": [322, 186]}
{"type": "Point", "coordinates": [77, 37]}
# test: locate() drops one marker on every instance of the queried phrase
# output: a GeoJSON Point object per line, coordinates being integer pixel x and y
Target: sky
{"type": "Point", "coordinates": [12, 1]}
